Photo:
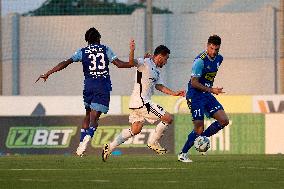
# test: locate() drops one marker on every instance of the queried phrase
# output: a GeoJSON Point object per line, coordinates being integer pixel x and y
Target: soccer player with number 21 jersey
{"type": "Point", "coordinates": [199, 96]}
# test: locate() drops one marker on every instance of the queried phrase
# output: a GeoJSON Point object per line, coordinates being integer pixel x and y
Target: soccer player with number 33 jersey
{"type": "Point", "coordinates": [95, 58]}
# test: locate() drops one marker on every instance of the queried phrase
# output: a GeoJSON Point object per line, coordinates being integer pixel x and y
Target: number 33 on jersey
{"type": "Point", "coordinates": [95, 60]}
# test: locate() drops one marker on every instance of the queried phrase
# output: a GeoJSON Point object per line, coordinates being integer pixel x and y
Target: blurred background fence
{"type": "Point", "coordinates": [37, 35]}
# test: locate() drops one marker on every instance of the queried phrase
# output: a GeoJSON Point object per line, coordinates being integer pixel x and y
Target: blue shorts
{"type": "Point", "coordinates": [96, 94]}
{"type": "Point", "coordinates": [204, 103]}
{"type": "Point", "coordinates": [96, 99]}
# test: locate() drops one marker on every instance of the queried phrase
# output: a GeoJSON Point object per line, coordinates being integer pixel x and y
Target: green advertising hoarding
{"type": "Point", "coordinates": [136, 144]}
{"type": "Point", "coordinates": [61, 135]}
{"type": "Point", "coordinates": [106, 134]}
{"type": "Point", "coordinates": [40, 137]}
{"type": "Point", "coordinates": [245, 134]}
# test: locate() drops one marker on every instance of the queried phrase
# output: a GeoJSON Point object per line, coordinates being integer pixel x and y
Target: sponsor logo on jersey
{"type": "Point", "coordinates": [210, 76]}
{"type": "Point", "coordinates": [203, 55]}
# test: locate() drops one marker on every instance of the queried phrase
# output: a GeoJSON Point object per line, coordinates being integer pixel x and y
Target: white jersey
{"type": "Point", "coordinates": [147, 76]}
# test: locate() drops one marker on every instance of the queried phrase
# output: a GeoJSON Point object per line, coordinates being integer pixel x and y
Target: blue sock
{"type": "Point", "coordinates": [91, 131]}
{"type": "Point", "coordinates": [190, 141]}
{"type": "Point", "coordinates": [212, 129]}
{"type": "Point", "coordinates": [83, 134]}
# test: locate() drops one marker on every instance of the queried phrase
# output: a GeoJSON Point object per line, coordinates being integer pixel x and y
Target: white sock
{"type": "Point", "coordinates": [159, 132]}
{"type": "Point", "coordinates": [121, 138]}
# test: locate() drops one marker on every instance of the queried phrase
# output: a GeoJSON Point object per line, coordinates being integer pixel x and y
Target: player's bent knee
{"type": "Point", "coordinates": [170, 121]}
{"type": "Point", "coordinates": [199, 130]}
{"type": "Point", "coordinates": [224, 122]}
{"type": "Point", "coordinates": [136, 128]}
{"type": "Point", "coordinates": [136, 131]}
{"type": "Point", "coordinates": [167, 118]}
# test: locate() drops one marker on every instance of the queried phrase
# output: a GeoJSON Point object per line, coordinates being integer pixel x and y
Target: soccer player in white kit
{"type": "Point", "coordinates": [148, 77]}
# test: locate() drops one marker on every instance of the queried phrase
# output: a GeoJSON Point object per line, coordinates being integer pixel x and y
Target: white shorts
{"type": "Point", "coordinates": [155, 113]}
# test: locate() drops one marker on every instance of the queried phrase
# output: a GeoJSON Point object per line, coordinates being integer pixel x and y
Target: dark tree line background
{"type": "Point", "coordinates": [88, 7]}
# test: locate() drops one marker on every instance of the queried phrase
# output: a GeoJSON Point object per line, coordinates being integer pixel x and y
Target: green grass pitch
{"type": "Point", "coordinates": [133, 171]}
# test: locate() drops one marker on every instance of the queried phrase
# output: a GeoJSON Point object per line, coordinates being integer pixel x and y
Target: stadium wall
{"type": "Point", "coordinates": [248, 48]}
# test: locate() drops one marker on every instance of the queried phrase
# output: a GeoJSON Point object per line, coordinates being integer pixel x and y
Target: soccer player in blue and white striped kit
{"type": "Point", "coordinates": [95, 58]}
{"type": "Point", "coordinates": [199, 96]}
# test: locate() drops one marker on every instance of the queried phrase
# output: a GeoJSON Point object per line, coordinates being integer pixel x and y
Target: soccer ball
{"type": "Point", "coordinates": [202, 144]}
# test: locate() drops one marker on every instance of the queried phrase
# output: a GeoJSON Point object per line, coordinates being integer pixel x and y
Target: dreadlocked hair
{"type": "Point", "coordinates": [92, 35]}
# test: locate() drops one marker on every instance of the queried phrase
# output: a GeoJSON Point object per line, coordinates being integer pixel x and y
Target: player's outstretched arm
{"type": "Point", "coordinates": [168, 91]}
{"type": "Point", "coordinates": [196, 84]}
{"type": "Point", "coordinates": [56, 68]}
{"type": "Point", "coordinates": [131, 62]}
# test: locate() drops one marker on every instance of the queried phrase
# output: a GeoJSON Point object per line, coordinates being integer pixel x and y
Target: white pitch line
{"type": "Point", "coordinates": [266, 182]}
{"type": "Point", "coordinates": [130, 168]}
{"type": "Point", "coordinates": [99, 180]}
{"type": "Point", "coordinates": [34, 169]}
{"type": "Point", "coordinates": [153, 168]}
{"type": "Point", "coordinates": [49, 180]}
{"type": "Point", "coordinates": [171, 181]}
{"type": "Point", "coordinates": [26, 179]}
{"type": "Point", "coordinates": [34, 180]}
{"type": "Point", "coordinates": [264, 168]}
